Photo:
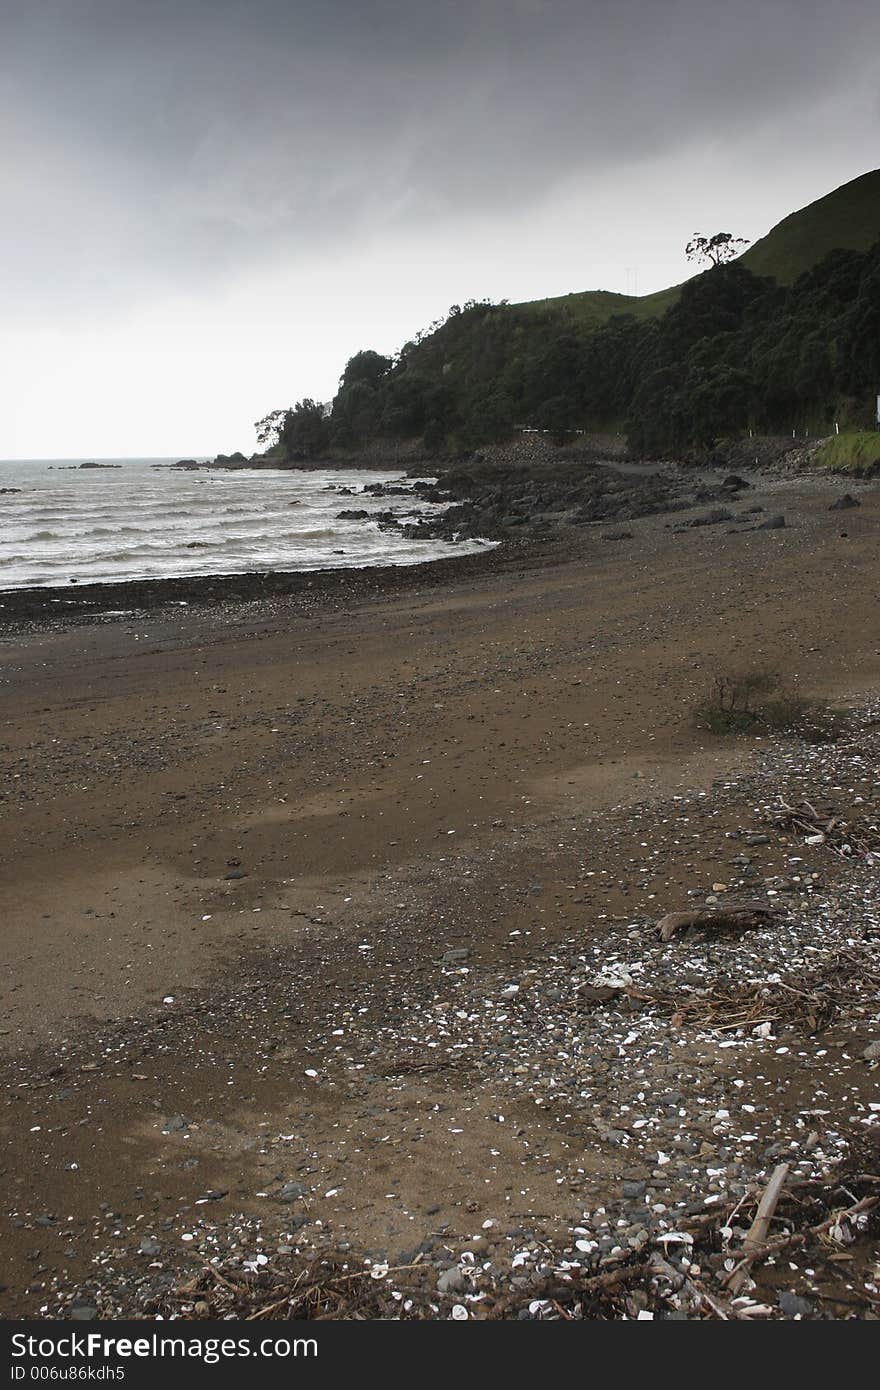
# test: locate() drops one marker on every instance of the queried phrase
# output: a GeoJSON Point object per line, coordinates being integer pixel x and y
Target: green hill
{"type": "Point", "coordinates": [848, 218]}
{"type": "Point", "coordinates": [784, 338]}
{"type": "Point", "coordinates": [591, 308]}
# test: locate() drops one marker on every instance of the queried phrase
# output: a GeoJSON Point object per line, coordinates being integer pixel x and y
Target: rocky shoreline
{"type": "Point", "coordinates": [497, 501]}
{"type": "Point", "coordinates": [525, 507]}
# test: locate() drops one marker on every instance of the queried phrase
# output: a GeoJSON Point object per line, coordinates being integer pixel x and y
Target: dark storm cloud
{"type": "Point", "coordinates": [150, 144]}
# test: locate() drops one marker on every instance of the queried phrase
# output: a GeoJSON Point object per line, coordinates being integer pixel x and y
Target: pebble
{"type": "Point", "coordinates": [792, 1305]}
{"type": "Point", "coordinates": [451, 1281]}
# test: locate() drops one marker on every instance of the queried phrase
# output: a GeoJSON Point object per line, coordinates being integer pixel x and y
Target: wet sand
{"type": "Point", "coordinates": [313, 795]}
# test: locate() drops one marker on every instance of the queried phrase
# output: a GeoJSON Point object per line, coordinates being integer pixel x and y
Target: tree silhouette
{"type": "Point", "coordinates": [717, 249]}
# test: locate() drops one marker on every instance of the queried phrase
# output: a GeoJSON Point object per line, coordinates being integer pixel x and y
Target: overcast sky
{"type": "Point", "coordinates": [207, 206]}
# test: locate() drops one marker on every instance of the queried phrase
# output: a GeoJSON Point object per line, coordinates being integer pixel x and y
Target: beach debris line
{"type": "Point", "coordinates": [708, 1267]}
{"type": "Point", "coordinates": [809, 1001]}
{"type": "Point", "coordinates": [717, 919]}
{"type": "Point", "coordinates": [855, 834]}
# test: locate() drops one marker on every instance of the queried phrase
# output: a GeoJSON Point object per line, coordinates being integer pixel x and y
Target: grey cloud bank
{"type": "Point", "coordinates": [180, 153]}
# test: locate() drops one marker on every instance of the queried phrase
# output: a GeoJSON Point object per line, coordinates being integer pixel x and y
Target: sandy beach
{"type": "Point", "coordinates": [254, 845]}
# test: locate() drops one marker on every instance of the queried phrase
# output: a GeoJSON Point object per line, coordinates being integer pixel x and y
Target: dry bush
{"type": "Point", "coordinates": [758, 702]}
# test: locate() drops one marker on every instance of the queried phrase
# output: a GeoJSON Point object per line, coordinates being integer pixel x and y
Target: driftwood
{"type": "Point", "coordinates": [774, 1247]}
{"type": "Point", "coordinates": [812, 1221]}
{"type": "Point", "coordinates": [856, 835]}
{"type": "Point", "coordinates": [756, 1236]}
{"type": "Point", "coordinates": [716, 919]}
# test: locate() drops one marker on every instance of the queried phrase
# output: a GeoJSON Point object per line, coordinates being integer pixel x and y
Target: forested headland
{"type": "Point", "coordinates": [728, 352]}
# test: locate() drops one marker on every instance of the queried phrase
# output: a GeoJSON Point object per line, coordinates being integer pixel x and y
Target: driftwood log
{"type": "Point", "coordinates": [756, 1236]}
{"type": "Point", "coordinates": [716, 919]}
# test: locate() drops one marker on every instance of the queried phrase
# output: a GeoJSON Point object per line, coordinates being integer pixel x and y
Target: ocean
{"type": "Point", "coordinates": [140, 520]}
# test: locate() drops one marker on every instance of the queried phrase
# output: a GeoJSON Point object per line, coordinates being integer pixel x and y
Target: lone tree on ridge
{"type": "Point", "coordinates": [717, 249]}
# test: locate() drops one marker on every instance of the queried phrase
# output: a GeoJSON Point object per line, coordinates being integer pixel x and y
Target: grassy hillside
{"type": "Point", "coordinates": [591, 308]}
{"type": "Point", "coordinates": [857, 453]}
{"type": "Point", "coordinates": [848, 218]}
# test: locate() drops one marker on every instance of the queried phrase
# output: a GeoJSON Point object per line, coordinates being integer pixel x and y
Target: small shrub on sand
{"type": "Point", "coordinates": [757, 703]}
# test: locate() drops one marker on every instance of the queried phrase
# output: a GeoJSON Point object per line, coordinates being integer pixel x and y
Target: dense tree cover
{"type": "Point", "coordinates": [298, 434]}
{"type": "Point", "coordinates": [735, 352]}
{"type": "Point", "coordinates": [738, 352]}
